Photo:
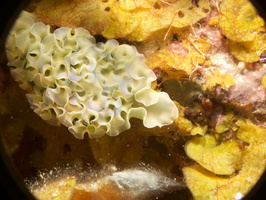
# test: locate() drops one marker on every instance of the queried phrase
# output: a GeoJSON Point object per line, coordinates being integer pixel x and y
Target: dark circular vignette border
{"type": "Point", "coordinates": [258, 192]}
{"type": "Point", "coordinates": [12, 186]}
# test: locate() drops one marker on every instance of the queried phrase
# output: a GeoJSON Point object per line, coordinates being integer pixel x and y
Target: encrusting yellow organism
{"type": "Point", "coordinates": [212, 185]}
{"type": "Point", "coordinates": [139, 19]}
{"type": "Point", "coordinates": [222, 159]}
{"type": "Point", "coordinates": [241, 24]}
{"type": "Point", "coordinates": [89, 87]}
{"type": "Point", "coordinates": [239, 20]}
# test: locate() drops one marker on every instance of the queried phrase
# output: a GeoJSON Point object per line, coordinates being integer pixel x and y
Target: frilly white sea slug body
{"type": "Point", "coordinates": [89, 87]}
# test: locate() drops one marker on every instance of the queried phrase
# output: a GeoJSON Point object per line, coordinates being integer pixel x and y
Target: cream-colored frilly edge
{"type": "Point", "coordinates": [89, 87]}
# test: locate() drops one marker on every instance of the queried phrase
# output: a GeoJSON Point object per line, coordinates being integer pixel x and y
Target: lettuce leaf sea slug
{"type": "Point", "coordinates": [89, 87]}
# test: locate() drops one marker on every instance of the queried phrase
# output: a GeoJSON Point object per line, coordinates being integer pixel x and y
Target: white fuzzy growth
{"type": "Point", "coordinates": [89, 87]}
{"type": "Point", "coordinates": [140, 181]}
